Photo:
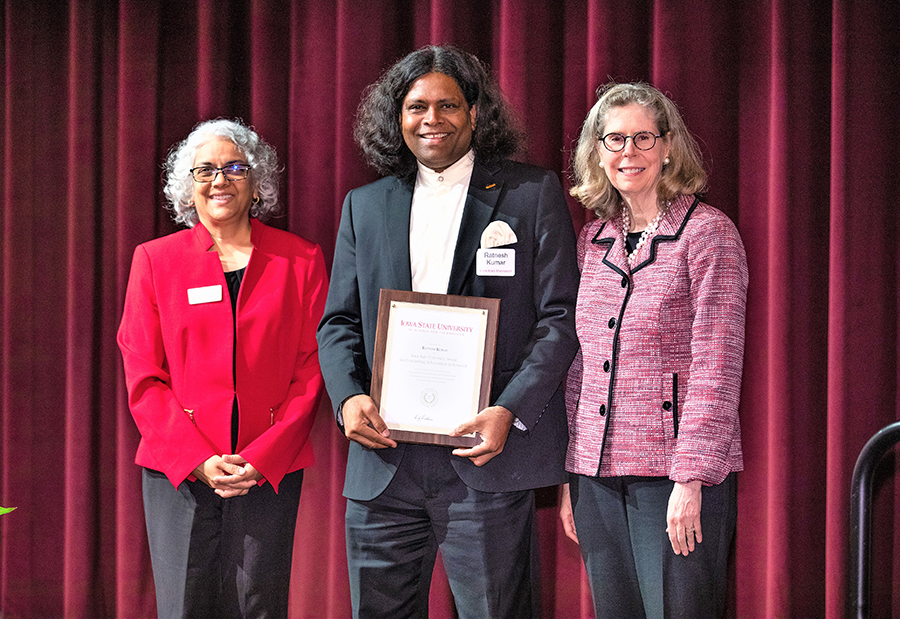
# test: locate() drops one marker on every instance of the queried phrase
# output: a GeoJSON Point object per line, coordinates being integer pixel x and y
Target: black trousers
{"type": "Point", "coordinates": [632, 569]}
{"type": "Point", "coordinates": [486, 540]}
{"type": "Point", "coordinates": [215, 557]}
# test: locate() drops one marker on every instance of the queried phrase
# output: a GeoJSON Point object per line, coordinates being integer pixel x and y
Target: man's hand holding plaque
{"type": "Point", "coordinates": [492, 424]}
{"type": "Point", "coordinates": [363, 423]}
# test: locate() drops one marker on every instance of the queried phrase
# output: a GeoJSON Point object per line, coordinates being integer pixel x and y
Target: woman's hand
{"type": "Point", "coordinates": [229, 475]}
{"type": "Point", "coordinates": [565, 513]}
{"type": "Point", "coordinates": [683, 517]}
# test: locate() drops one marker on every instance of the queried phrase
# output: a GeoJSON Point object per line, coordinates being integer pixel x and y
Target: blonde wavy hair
{"type": "Point", "coordinates": [683, 175]}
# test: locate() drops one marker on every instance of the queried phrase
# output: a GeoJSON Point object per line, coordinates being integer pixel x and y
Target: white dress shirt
{"type": "Point", "coordinates": [439, 199]}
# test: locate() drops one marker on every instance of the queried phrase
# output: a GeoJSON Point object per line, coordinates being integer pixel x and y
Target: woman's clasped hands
{"type": "Point", "coordinates": [229, 475]}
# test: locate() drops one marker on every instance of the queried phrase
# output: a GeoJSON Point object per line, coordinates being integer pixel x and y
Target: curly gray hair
{"type": "Point", "coordinates": [179, 185]}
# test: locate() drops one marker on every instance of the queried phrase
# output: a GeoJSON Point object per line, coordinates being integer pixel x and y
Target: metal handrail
{"type": "Point", "coordinates": [861, 514]}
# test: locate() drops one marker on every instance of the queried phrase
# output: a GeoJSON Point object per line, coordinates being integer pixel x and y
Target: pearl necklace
{"type": "Point", "coordinates": [646, 234]}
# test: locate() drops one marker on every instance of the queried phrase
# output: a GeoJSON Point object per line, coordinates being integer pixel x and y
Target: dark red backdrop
{"type": "Point", "coordinates": [794, 103]}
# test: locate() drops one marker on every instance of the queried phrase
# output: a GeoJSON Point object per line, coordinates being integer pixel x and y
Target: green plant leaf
{"type": "Point", "coordinates": [6, 510]}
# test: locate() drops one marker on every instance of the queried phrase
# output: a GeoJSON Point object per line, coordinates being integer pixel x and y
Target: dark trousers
{"type": "Point", "coordinates": [633, 572]}
{"type": "Point", "coordinates": [486, 542]}
{"type": "Point", "coordinates": [223, 558]}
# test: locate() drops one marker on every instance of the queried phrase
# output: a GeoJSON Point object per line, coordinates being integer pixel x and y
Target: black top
{"type": "Point", "coordinates": [233, 279]}
{"type": "Point", "coordinates": [631, 240]}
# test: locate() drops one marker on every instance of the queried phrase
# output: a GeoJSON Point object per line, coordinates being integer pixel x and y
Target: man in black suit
{"type": "Point", "coordinates": [437, 127]}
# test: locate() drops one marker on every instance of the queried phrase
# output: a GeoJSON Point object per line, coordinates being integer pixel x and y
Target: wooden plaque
{"type": "Point", "coordinates": [434, 364]}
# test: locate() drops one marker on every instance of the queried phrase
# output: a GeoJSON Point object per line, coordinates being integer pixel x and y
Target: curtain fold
{"type": "Point", "coordinates": [863, 268]}
{"type": "Point", "coordinates": [137, 104]}
{"type": "Point", "coordinates": [784, 179]}
{"type": "Point", "coordinates": [793, 104]}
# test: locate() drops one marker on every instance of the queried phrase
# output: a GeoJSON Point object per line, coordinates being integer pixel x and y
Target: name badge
{"type": "Point", "coordinates": [495, 262]}
{"type": "Point", "coordinates": [205, 294]}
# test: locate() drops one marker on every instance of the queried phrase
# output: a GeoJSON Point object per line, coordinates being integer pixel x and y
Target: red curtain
{"type": "Point", "coordinates": [794, 104]}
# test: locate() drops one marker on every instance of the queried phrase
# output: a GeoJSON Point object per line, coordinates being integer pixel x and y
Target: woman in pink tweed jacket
{"type": "Point", "coordinates": [653, 394]}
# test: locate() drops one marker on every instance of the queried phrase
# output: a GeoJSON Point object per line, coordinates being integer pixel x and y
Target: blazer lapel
{"type": "Point", "coordinates": [206, 251]}
{"type": "Point", "coordinates": [398, 204]}
{"type": "Point", "coordinates": [610, 236]}
{"type": "Point", "coordinates": [672, 225]}
{"type": "Point", "coordinates": [258, 261]}
{"type": "Point", "coordinates": [481, 204]}
{"type": "Point", "coordinates": [202, 237]}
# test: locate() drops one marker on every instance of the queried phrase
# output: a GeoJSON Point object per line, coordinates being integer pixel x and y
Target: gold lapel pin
{"type": "Point", "coordinates": [491, 185]}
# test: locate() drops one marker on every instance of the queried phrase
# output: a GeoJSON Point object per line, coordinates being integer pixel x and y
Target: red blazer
{"type": "Point", "coordinates": [180, 367]}
{"type": "Point", "coordinates": [654, 390]}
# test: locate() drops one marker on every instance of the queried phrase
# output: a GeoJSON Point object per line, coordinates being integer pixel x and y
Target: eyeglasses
{"type": "Point", "coordinates": [232, 172]}
{"type": "Point", "coordinates": [642, 140]}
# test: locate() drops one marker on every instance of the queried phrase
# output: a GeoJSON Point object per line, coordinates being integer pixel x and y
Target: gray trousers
{"type": "Point", "coordinates": [487, 543]}
{"type": "Point", "coordinates": [633, 572]}
{"type": "Point", "coordinates": [215, 557]}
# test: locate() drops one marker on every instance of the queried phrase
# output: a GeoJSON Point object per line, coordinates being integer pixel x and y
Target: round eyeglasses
{"type": "Point", "coordinates": [231, 172]}
{"type": "Point", "coordinates": [642, 140]}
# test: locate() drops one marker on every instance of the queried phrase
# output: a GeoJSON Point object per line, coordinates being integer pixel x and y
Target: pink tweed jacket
{"type": "Point", "coordinates": [654, 390]}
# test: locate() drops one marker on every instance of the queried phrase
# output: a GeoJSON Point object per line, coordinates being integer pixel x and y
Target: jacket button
{"type": "Point", "coordinates": [624, 282]}
{"type": "Point", "coordinates": [606, 366]}
{"type": "Point", "coordinates": [667, 406]}
{"type": "Point", "coordinates": [602, 410]}
{"type": "Point", "coordinates": [612, 323]}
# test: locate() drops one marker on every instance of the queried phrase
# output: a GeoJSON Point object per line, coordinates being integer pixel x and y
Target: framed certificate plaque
{"type": "Point", "coordinates": [434, 361]}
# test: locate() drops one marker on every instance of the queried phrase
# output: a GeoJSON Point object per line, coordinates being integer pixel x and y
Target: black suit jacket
{"type": "Point", "coordinates": [536, 339]}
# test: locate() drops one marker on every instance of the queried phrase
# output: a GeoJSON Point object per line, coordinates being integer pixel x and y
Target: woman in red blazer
{"type": "Point", "coordinates": [221, 366]}
{"type": "Point", "coordinates": [652, 396]}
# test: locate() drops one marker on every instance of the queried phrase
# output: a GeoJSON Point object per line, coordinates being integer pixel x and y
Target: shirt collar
{"type": "Point", "coordinates": [450, 176]}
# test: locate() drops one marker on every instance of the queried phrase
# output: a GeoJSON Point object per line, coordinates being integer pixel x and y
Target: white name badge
{"type": "Point", "coordinates": [205, 294]}
{"type": "Point", "coordinates": [495, 262]}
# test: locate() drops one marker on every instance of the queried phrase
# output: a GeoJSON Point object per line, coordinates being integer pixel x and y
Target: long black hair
{"type": "Point", "coordinates": [377, 129]}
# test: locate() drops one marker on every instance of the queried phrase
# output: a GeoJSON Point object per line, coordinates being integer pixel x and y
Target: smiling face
{"type": "Point", "coordinates": [436, 121]}
{"type": "Point", "coordinates": [221, 202]}
{"type": "Point", "coordinates": [634, 172]}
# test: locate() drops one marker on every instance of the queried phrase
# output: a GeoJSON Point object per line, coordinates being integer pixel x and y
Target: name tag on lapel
{"type": "Point", "coordinates": [205, 294]}
{"type": "Point", "coordinates": [495, 262]}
